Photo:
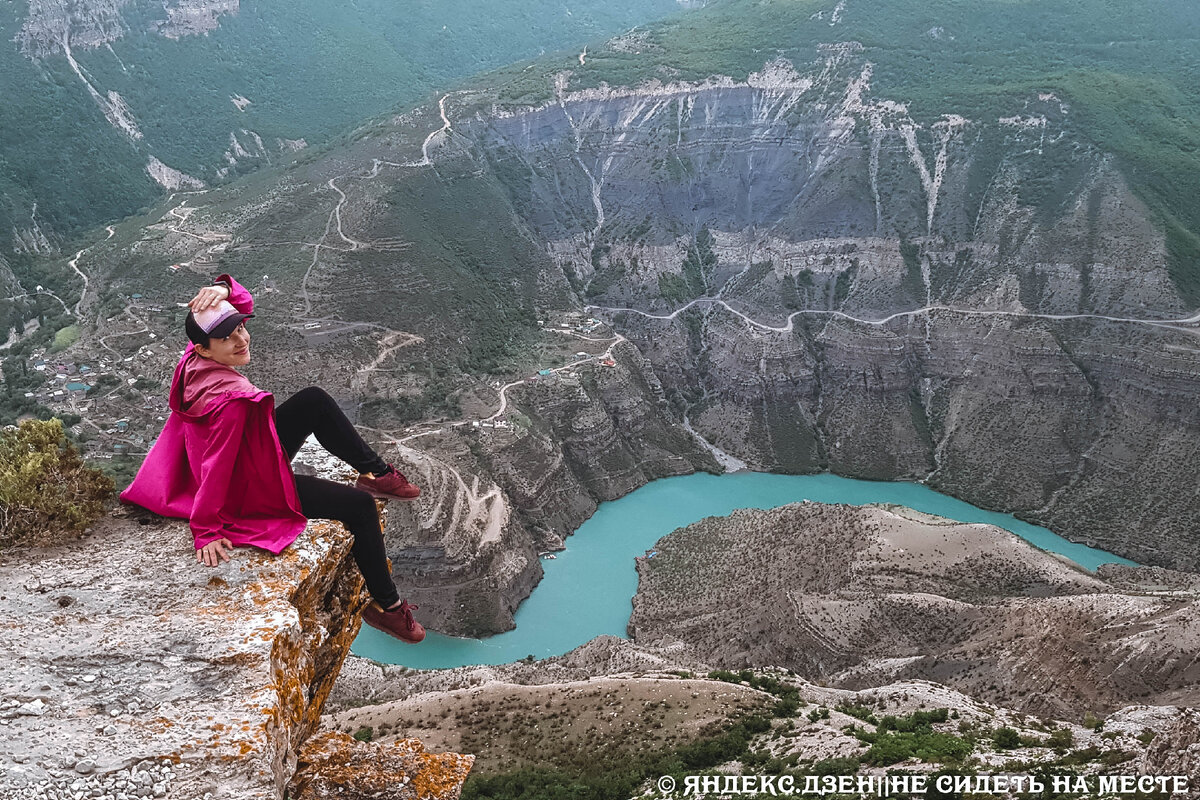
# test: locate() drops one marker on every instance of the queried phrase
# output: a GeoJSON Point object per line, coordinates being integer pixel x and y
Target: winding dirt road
{"type": "Point", "coordinates": [1175, 324]}
{"type": "Point", "coordinates": [335, 216]}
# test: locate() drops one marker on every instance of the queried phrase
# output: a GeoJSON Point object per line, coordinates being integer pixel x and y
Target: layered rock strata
{"type": "Point", "coordinates": [493, 498]}
{"type": "Point", "coordinates": [862, 311]}
{"type": "Point", "coordinates": [1083, 426]}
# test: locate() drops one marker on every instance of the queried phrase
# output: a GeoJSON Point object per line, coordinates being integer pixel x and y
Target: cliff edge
{"type": "Point", "coordinates": [132, 671]}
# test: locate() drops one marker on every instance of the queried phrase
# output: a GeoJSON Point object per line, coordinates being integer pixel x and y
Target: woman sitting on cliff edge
{"type": "Point", "coordinates": [223, 460]}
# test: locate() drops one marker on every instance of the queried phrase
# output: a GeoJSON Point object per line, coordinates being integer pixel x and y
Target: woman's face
{"type": "Point", "coordinates": [232, 351]}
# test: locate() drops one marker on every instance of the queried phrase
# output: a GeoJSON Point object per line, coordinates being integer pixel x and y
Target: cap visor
{"type": "Point", "coordinates": [227, 326]}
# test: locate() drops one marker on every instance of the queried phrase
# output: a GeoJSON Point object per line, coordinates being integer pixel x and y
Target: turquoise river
{"type": "Point", "coordinates": [588, 588]}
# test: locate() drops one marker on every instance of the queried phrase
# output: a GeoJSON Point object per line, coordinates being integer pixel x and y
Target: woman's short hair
{"type": "Point", "coordinates": [195, 332]}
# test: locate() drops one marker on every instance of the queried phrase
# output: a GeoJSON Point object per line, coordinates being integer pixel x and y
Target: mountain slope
{"type": "Point", "coordinates": [109, 102]}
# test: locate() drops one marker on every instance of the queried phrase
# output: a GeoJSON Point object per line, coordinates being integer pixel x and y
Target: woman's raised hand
{"type": "Point", "coordinates": [207, 297]}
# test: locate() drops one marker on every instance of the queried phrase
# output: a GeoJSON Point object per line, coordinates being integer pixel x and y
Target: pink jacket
{"type": "Point", "coordinates": [218, 462]}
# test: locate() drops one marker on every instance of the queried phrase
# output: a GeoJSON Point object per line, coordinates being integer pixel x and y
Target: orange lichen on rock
{"type": "Point", "coordinates": [336, 765]}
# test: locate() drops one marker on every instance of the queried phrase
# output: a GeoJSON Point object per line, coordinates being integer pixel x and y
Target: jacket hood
{"type": "Point", "coordinates": [199, 381]}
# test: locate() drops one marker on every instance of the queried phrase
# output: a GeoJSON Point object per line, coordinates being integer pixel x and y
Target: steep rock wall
{"type": "Point", "coordinates": [880, 296]}
{"type": "Point", "coordinates": [1082, 426]}
{"type": "Point", "coordinates": [493, 499]}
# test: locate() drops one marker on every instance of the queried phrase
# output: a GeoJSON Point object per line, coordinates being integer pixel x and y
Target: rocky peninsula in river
{"type": "Point", "coordinates": [860, 597]}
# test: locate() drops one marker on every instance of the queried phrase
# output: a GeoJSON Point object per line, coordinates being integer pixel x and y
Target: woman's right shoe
{"type": "Point", "coordinates": [390, 485]}
{"type": "Point", "coordinates": [398, 622]}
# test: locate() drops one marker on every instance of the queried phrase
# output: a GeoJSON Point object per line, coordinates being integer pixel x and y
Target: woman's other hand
{"type": "Point", "coordinates": [211, 552]}
{"type": "Point", "coordinates": [207, 297]}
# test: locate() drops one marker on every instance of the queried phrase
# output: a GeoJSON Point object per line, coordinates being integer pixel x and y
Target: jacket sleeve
{"type": "Point", "coordinates": [220, 452]}
{"type": "Point", "coordinates": [239, 296]}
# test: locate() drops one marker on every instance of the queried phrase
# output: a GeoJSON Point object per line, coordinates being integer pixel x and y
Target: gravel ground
{"type": "Point", "coordinates": [77, 780]}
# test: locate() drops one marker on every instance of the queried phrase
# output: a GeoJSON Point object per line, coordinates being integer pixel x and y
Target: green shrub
{"type": "Point", "coordinates": [1111, 758]}
{"type": "Point", "coordinates": [901, 738]}
{"type": "Point", "coordinates": [1006, 739]}
{"type": "Point", "coordinates": [932, 748]}
{"type": "Point", "coordinates": [47, 493]}
{"type": "Point", "coordinates": [846, 765]}
{"type": "Point", "coordinates": [1079, 757]}
{"type": "Point", "coordinates": [845, 279]}
{"type": "Point", "coordinates": [673, 288]}
{"type": "Point", "coordinates": [1060, 739]}
{"type": "Point", "coordinates": [916, 721]}
{"type": "Point", "coordinates": [365, 734]}
{"type": "Point", "coordinates": [786, 708]}
{"type": "Point", "coordinates": [858, 712]}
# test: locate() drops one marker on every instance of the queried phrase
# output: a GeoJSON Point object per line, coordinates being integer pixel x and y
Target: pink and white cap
{"type": "Point", "coordinates": [217, 321]}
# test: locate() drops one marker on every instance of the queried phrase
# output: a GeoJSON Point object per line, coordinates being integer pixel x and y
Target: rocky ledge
{"type": "Point", "coordinates": [132, 671]}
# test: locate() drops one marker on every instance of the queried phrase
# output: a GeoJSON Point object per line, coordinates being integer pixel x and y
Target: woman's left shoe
{"type": "Point", "coordinates": [397, 622]}
{"type": "Point", "coordinates": [390, 485]}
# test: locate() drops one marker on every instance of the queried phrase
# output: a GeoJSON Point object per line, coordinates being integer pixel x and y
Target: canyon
{"type": "Point", "coordinates": [559, 283]}
{"type": "Point", "coordinates": [761, 261]}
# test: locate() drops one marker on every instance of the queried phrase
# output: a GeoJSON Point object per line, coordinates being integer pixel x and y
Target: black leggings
{"type": "Point", "coordinates": [312, 411]}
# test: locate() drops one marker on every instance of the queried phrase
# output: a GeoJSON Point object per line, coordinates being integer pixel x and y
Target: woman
{"type": "Point", "coordinates": [223, 460]}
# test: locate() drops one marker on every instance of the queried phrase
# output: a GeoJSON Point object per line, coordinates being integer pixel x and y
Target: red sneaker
{"type": "Point", "coordinates": [398, 622]}
{"type": "Point", "coordinates": [391, 485]}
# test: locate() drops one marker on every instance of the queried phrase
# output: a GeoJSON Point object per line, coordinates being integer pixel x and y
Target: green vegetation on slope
{"type": "Point", "coordinates": [697, 264]}
{"type": "Point", "coordinates": [310, 70]}
{"type": "Point", "coordinates": [610, 779]}
{"type": "Point", "coordinates": [47, 493]}
{"type": "Point", "coordinates": [608, 774]}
